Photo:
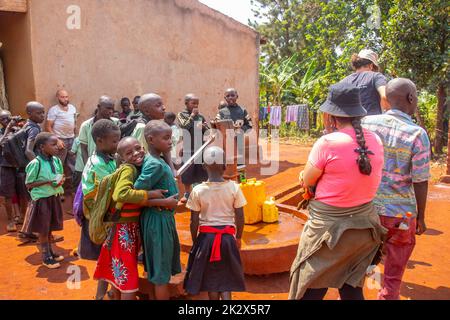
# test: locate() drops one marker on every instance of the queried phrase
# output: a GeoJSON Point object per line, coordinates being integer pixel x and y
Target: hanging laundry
{"type": "Point", "coordinates": [275, 116]}
{"type": "Point", "coordinates": [292, 113]}
{"type": "Point", "coordinates": [303, 117]}
{"type": "Point", "coordinates": [263, 113]}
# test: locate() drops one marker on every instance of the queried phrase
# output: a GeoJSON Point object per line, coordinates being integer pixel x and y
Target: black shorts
{"type": "Point", "coordinates": [8, 182]}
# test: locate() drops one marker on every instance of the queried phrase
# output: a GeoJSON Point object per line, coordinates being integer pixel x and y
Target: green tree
{"type": "Point", "coordinates": [326, 32]}
{"type": "Point", "coordinates": [415, 43]}
{"type": "Point", "coordinates": [276, 77]}
{"type": "Point", "coordinates": [412, 36]}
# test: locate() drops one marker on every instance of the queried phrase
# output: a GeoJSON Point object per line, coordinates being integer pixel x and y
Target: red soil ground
{"type": "Point", "coordinates": [427, 276]}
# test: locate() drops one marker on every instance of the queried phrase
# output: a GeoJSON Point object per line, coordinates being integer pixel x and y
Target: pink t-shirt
{"type": "Point", "coordinates": [341, 184]}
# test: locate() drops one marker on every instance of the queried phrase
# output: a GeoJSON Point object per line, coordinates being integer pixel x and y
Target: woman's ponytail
{"type": "Point", "coordinates": [363, 159]}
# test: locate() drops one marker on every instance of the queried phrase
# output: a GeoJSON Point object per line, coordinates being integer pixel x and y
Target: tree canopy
{"type": "Point", "coordinates": [316, 39]}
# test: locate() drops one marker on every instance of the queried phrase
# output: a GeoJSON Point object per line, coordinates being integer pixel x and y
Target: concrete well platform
{"type": "Point", "coordinates": [266, 247]}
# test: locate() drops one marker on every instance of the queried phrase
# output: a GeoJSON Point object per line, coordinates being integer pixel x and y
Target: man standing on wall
{"type": "Point", "coordinates": [61, 121]}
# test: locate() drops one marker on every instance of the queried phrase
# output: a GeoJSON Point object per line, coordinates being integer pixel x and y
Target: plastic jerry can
{"type": "Point", "coordinates": [270, 211]}
{"type": "Point", "coordinates": [260, 190]}
{"type": "Point", "coordinates": [260, 187]}
{"type": "Point", "coordinates": [252, 212]}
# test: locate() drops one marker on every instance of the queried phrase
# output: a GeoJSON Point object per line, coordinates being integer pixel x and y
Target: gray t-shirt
{"type": "Point", "coordinates": [368, 82]}
{"type": "Point", "coordinates": [64, 126]}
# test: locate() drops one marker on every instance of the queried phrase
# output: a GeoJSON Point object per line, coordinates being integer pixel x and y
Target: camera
{"type": "Point", "coordinates": [17, 119]}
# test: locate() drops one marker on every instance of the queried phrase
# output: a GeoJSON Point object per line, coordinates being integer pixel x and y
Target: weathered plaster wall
{"type": "Point", "coordinates": [125, 48]}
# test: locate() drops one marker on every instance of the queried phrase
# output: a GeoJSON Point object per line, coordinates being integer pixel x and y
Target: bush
{"type": "Point", "coordinates": [427, 109]}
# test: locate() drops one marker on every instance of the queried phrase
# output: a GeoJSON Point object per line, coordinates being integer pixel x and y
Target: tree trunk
{"type": "Point", "coordinates": [439, 135]}
{"type": "Point", "coordinates": [448, 152]}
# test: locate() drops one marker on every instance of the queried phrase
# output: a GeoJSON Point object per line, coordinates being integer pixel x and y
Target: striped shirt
{"type": "Point", "coordinates": [406, 161]}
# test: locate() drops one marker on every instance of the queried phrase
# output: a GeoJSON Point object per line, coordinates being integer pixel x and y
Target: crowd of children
{"type": "Point", "coordinates": [127, 194]}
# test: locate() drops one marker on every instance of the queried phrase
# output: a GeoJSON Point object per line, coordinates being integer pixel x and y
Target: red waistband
{"type": "Point", "coordinates": [215, 252]}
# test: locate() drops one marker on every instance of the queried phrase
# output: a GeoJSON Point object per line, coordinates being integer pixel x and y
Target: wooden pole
{"type": "Point", "coordinates": [223, 126]}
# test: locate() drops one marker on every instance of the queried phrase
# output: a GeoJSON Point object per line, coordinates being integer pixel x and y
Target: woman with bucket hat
{"type": "Point", "coordinates": [371, 82]}
{"type": "Point", "coordinates": [343, 232]}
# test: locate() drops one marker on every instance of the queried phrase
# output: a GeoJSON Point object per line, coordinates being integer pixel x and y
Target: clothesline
{"type": "Point", "coordinates": [298, 114]}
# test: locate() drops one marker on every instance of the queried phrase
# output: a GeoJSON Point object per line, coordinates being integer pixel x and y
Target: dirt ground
{"type": "Point", "coordinates": [427, 275]}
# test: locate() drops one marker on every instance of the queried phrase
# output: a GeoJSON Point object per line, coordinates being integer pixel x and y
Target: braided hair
{"type": "Point", "coordinates": [363, 160]}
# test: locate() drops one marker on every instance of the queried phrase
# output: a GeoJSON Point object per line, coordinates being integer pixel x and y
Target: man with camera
{"type": "Point", "coordinates": [8, 172]}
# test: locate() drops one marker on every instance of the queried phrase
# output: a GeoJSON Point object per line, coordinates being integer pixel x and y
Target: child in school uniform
{"type": "Point", "coordinates": [151, 107]}
{"type": "Point", "coordinates": [44, 179]}
{"type": "Point", "coordinates": [79, 164]}
{"type": "Point", "coordinates": [36, 116]}
{"type": "Point", "coordinates": [159, 235]}
{"type": "Point", "coordinates": [217, 223]}
{"type": "Point", "coordinates": [106, 135]}
{"type": "Point", "coordinates": [118, 261]}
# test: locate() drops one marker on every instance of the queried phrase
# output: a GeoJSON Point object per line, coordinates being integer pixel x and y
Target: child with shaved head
{"type": "Point", "coordinates": [152, 107]}
{"type": "Point", "coordinates": [194, 126]}
{"type": "Point", "coordinates": [217, 223]}
{"type": "Point", "coordinates": [233, 111]}
{"type": "Point", "coordinates": [159, 235]}
{"type": "Point", "coordinates": [36, 116]}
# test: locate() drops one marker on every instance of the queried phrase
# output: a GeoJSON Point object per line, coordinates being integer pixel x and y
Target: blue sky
{"type": "Point", "coordinates": [239, 10]}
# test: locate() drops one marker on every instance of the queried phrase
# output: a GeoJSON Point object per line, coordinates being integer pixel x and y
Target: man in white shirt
{"type": "Point", "coordinates": [61, 121]}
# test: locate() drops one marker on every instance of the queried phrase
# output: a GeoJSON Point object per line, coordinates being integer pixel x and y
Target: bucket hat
{"type": "Point", "coordinates": [344, 101]}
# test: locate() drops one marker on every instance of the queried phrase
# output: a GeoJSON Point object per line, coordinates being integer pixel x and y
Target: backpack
{"type": "Point", "coordinates": [77, 209]}
{"type": "Point", "coordinates": [13, 149]}
{"type": "Point", "coordinates": [98, 228]}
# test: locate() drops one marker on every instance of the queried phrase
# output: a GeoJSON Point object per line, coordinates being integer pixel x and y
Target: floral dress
{"type": "Point", "coordinates": [118, 261]}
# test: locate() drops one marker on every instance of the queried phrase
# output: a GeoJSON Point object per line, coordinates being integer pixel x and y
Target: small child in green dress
{"type": "Point", "coordinates": [44, 179]}
{"type": "Point", "coordinates": [159, 235]}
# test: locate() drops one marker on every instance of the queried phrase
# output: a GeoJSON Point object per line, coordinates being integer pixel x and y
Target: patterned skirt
{"type": "Point", "coordinates": [118, 261]}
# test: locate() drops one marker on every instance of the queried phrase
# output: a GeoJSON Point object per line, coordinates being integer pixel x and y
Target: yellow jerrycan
{"type": "Point", "coordinates": [260, 187]}
{"type": "Point", "coordinates": [270, 211]}
{"type": "Point", "coordinates": [252, 212]}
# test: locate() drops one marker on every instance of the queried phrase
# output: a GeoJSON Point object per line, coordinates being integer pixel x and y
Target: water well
{"type": "Point", "coordinates": [266, 247]}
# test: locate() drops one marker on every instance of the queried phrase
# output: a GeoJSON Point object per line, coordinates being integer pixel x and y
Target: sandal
{"type": "Point", "coordinates": [27, 237]}
{"type": "Point", "coordinates": [11, 227]}
{"type": "Point", "coordinates": [57, 238]}
{"type": "Point", "coordinates": [18, 220]}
